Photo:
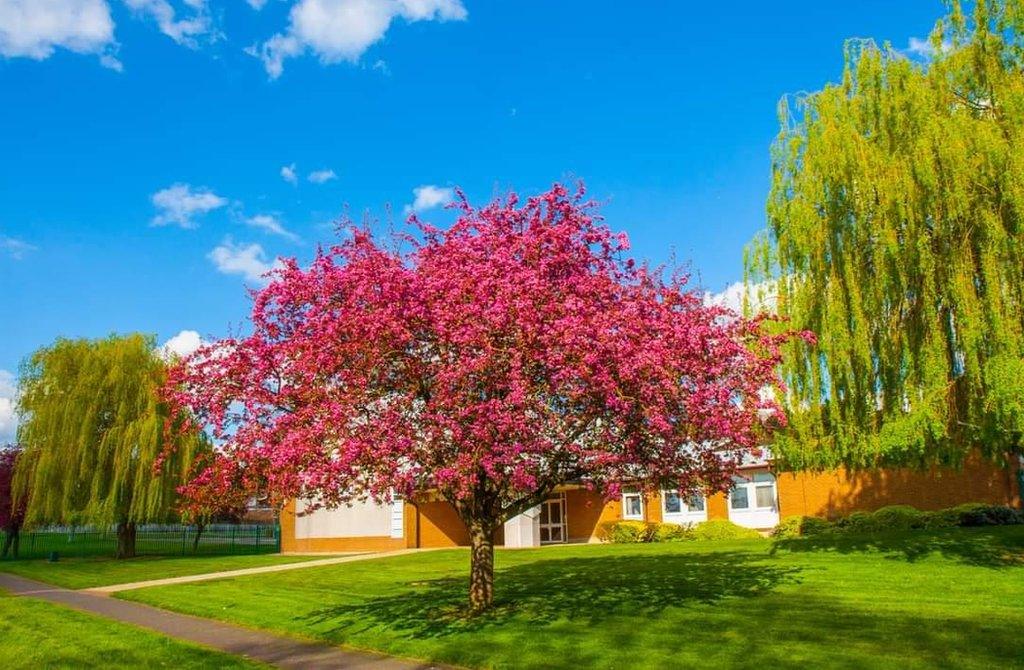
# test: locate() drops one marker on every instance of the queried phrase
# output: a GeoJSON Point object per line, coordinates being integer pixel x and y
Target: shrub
{"type": "Point", "coordinates": [800, 526]}
{"type": "Point", "coordinates": [858, 522]}
{"type": "Point", "coordinates": [721, 529]}
{"type": "Point", "coordinates": [981, 514]}
{"type": "Point", "coordinates": [897, 517]}
{"type": "Point", "coordinates": [627, 532]}
{"type": "Point", "coordinates": [943, 518]}
{"type": "Point", "coordinates": [671, 532]}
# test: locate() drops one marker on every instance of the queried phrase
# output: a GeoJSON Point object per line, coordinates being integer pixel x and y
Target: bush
{"type": "Point", "coordinates": [981, 514]}
{"type": "Point", "coordinates": [721, 529]}
{"type": "Point", "coordinates": [897, 517]}
{"type": "Point", "coordinates": [800, 526]}
{"type": "Point", "coordinates": [943, 518]}
{"type": "Point", "coordinates": [671, 532]}
{"type": "Point", "coordinates": [627, 532]}
{"type": "Point", "coordinates": [905, 517]}
{"type": "Point", "coordinates": [858, 522]}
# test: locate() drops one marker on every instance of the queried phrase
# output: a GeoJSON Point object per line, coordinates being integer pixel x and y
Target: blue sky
{"type": "Point", "coordinates": [155, 154]}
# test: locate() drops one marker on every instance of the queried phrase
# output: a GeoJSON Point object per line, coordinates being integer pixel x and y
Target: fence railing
{"type": "Point", "coordinates": [151, 540]}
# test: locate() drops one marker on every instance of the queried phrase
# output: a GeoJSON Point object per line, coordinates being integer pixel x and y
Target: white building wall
{"type": "Point", "coordinates": [523, 530]}
{"type": "Point", "coordinates": [360, 519]}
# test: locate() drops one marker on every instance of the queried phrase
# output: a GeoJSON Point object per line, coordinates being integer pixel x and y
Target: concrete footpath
{"type": "Point", "coordinates": [277, 650]}
{"type": "Point", "coordinates": [227, 574]}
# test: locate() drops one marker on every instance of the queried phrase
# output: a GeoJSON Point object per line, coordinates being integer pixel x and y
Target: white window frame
{"type": "Point", "coordinates": [625, 514]}
{"type": "Point", "coordinates": [685, 515]}
{"type": "Point", "coordinates": [751, 486]}
{"type": "Point", "coordinates": [754, 516]}
{"type": "Point", "coordinates": [684, 502]}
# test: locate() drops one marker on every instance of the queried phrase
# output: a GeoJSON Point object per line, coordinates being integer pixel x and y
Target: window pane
{"type": "Point", "coordinates": [763, 477]}
{"type": "Point", "coordinates": [633, 506]}
{"type": "Point", "coordinates": [765, 496]}
{"type": "Point", "coordinates": [673, 505]}
{"type": "Point", "coordinates": [696, 503]}
{"type": "Point", "coordinates": [556, 534]}
{"type": "Point", "coordinates": [545, 535]}
{"type": "Point", "coordinates": [739, 499]}
{"type": "Point", "coordinates": [555, 512]}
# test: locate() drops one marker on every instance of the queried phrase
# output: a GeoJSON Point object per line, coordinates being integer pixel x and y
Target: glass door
{"type": "Point", "coordinates": [552, 521]}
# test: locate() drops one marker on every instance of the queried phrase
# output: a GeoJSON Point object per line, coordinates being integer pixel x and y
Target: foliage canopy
{"type": "Point", "coordinates": [895, 235]}
{"type": "Point", "coordinates": [92, 429]}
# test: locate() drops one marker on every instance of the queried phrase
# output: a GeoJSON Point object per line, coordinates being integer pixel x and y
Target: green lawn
{"type": "Point", "coordinates": [80, 573]}
{"type": "Point", "coordinates": [952, 598]}
{"type": "Point", "coordinates": [36, 634]}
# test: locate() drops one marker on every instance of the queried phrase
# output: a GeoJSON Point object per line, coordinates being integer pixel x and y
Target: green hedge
{"type": "Point", "coordinates": [631, 532]}
{"type": "Point", "coordinates": [900, 517]}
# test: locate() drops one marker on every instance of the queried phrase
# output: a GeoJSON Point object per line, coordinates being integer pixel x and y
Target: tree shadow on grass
{"type": "Point", "coordinates": [998, 547]}
{"type": "Point", "coordinates": [580, 589]}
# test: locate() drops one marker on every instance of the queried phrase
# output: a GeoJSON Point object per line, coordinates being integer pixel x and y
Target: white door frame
{"type": "Point", "coordinates": [551, 529]}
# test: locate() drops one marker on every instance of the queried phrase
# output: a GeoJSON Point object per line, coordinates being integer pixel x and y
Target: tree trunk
{"type": "Point", "coordinates": [199, 534]}
{"type": "Point", "coordinates": [125, 540]}
{"type": "Point", "coordinates": [11, 543]}
{"type": "Point", "coordinates": [481, 568]}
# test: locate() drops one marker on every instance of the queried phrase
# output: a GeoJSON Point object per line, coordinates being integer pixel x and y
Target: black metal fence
{"type": "Point", "coordinates": [151, 540]}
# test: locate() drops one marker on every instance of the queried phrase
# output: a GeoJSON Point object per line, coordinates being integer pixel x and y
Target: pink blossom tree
{"type": "Point", "coordinates": [12, 511]}
{"type": "Point", "coordinates": [488, 363]}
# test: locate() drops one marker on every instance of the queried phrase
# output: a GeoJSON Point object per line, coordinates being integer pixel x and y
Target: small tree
{"type": "Point", "coordinates": [493, 361]}
{"type": "Point", "coordinates": [12, 515]}
{"type": "Point", "coordinates": [92, 430]}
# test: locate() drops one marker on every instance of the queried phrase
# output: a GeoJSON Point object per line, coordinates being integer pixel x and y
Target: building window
{"type": "Point", "coordinates": [754, 492]}
{"type": "Point", "coordinates": [632, 506]}
{"type": "Point", "coordinates": [674, 504]}
{"type": "Point", "coordinates": [738, 497]}
{"type": "Point", "coordinates": [764, 490]}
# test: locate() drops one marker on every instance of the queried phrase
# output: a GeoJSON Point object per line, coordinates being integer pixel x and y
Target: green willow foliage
{"type": "Point", "coordinates": [895, 234]}
{"type": "Point", "coordinates": [92, 428]}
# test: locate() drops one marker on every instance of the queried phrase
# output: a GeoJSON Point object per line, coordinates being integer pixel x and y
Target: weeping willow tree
{"type": "Point", "coordinates": [92, 428]}
{"type": "Point", "coordinates": [895, 234]}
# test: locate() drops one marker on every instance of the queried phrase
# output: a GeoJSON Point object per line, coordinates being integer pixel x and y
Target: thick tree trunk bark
{"type": "Point", "coordinates": [481, 568]}
{"type": "Point", "coordinates": [125, 540]}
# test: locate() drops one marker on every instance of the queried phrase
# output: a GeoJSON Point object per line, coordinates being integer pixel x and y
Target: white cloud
{"type": "Point", "coordinates": [249, 261]}
{"type": "Point", "coordinates": [34, 28]}
{"type": "Point", "coordinates": [429, 196]}
{"type": "Point", "coordinates": [14, 247]}
{"type": "Point", "coordinates": [179, 203]}
{"type": "Point", "coordinates": [758, 297]}
{"type": "Point", "coordinates": [922, 48]}
{"type": "Point", "coordinates": [111, 62]}
{"type": "Point", "coordinates": [288, 174]}
{"type": "Point", "coordinates": [341, 30]}
{"type": "Point", "coordinates": [256, 4]}
{"type": "Point", "coordinates": [8, 418]}
{"type": "Point", "coordinates": [322, 176]}
{"type": "Point", "coordinates": [184, 31]}
{"type": "Point", "coordinates": [181, 345]}
{"type": "Point", "coordinates": [271, 224]}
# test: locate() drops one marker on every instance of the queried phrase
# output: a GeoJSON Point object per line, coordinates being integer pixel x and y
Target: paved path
{"type": "Point", "coordinates": [226, 574]}
{"type": "Point", "coordinates": [277, 650]}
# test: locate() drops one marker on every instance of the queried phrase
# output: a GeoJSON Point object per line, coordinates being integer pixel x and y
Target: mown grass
{"type": "Point", "coordinates": [80, 573]}
{"type": "Point", "coordinates": [35, 634]}
{"type": "Point", "coordinates": [952, 598]}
